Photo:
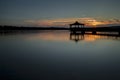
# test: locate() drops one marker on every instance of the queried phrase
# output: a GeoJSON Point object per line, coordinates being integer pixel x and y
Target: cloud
{"type": "Point", "coordinates": [66, 21]}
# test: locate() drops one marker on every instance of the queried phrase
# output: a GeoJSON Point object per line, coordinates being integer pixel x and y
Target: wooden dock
{"type": "Point", "coordinates": [94, 30]}
{"type": "Point", "coordinates": [80, 28]}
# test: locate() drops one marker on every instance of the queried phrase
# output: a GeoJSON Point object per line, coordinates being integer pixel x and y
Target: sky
{"type": "Point", "coordinates": [52, 13]}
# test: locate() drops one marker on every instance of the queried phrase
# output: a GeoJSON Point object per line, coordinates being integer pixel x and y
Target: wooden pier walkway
{"type": "Point", "coordinates": [79, 28]}
{"type": "Point", "coordinates": [94, 30]}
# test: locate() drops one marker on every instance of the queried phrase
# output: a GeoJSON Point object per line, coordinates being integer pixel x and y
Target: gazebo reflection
{"type": "Point", "coordinates": [76, 37]}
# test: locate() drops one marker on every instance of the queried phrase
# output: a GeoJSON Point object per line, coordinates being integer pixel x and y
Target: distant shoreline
{"type": "Point", "coordinates": [111, 28]}
{"type": "Point", "coordinates": [31, 28]}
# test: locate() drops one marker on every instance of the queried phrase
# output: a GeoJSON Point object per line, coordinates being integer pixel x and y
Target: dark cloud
{"type": "Point", "coordinates": [116, 20]}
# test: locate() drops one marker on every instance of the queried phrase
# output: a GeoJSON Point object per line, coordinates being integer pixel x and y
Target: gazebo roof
{"type": "Point", "coordinates": [77, 23]}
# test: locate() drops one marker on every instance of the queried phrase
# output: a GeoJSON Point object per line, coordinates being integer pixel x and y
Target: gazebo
{"type": "Point", "coordinates": [77, 25]}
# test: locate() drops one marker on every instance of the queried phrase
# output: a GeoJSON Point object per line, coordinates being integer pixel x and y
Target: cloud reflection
{"type": "Point", "coordinates": [66, 36]}
{"type": "Point", "coordinates": [51, 36]}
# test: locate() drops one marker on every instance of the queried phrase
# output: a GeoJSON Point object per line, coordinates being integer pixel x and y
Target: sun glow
{"type": "Point", "coordinates": [96, 23]}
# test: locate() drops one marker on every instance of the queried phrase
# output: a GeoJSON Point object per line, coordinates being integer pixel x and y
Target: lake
{"type": "Point", "coordinates": [59, 55]}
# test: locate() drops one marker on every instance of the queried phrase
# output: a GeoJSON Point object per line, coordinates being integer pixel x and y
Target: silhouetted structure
{"type": "Point", "coordinates": [79, 28]}
{"type": "Point", "coordinates": [77, 25]}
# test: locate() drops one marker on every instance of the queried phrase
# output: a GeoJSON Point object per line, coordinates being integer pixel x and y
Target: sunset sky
{"type": "Point", "coordinates": [59, 12]}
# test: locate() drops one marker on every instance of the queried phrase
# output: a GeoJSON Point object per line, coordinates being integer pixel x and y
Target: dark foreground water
{"type": "Point", "coordinates": [57, 55]}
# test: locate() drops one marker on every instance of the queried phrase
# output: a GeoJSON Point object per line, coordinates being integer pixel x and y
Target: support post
{"type": "Point", "coordinates": [93, 32]}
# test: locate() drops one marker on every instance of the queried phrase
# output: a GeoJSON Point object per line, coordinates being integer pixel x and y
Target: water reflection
{"type": "Point", "coordinates": [54, 35]}
{"type": "Point", "coordinates": [53, 55]}
{"type": "Point", "coordinates": [51, 36]}
{"type": "Point", "coordinates": [92, 37]}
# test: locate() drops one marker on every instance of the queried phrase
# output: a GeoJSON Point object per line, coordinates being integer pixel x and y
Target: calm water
{"type": "Point", "coordinates": [57, 55]}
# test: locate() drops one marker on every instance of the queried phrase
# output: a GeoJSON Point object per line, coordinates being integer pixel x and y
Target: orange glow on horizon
{"type": "Point", "coordinates": [95, 24]}
{"type": "Point", "coordinates": [66, 21]}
